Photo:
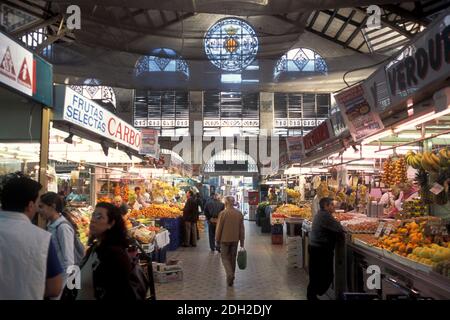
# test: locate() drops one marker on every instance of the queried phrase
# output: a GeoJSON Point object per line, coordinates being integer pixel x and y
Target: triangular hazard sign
{"type": "Point", "coordinates": [24, 75]}
{"type": "Point", "coordinates": [7, 66]}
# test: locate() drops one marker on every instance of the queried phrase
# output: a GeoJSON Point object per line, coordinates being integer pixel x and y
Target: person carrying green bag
{"type": "Point", "coordinates": [229, 232]}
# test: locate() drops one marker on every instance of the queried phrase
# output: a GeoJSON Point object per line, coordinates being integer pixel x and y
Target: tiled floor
{"type": "Point", "coordinates": [267, 275]}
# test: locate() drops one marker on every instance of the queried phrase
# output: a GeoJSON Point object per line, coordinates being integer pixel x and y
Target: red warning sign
{"type": "Point", "coordinates": [24, 75]}
{"type": "Point", "coordinates": [7, 66]}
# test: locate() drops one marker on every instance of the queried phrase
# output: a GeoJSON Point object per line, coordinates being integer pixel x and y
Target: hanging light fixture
{"type": "Point", "coordinates": [69, 139]}
{"type": "Point", "coordinates": [104, 147]}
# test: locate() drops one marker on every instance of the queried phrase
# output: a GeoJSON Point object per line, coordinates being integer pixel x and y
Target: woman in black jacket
{"type": "Point", "coordinates": [106, 268]}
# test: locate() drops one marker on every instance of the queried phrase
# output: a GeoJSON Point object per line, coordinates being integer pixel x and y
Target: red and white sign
{"type": "Point", "coordinates": [317, 136]}
{"type": "Point", "coordinates": [149, 144]}
{"type": "Point", "coordinates": [16, 66]}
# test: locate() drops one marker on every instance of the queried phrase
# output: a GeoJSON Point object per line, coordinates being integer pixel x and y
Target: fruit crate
{"type": "Point", "coordinates": [277, 239]}
{"type": "Point", "coordinates": [168, 276]}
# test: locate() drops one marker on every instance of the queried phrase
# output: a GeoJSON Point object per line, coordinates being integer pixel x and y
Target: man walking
{"type": "Point", "coordinates": [326, 230]}
{"type": "Point", "coordinates": [212, 209]}
{"type": "Point", "coordinates": [190, 217]}
{"type": "Point", "coordinates": [230, 230]}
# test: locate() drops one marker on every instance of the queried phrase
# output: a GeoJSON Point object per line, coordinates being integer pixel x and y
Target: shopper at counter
{"type": "Point", "coordinates": [123, 208]}
{"type": "Point", "coordinates": [140, 199]}
{"type": "Point", "coordinates": [323, 237]}
{"type": "Point", "coordinates": [230, 231]}
{"type": "Point", "coordinates": [190, 217]}
{"type": "Point", "coordinates": [29, 264]}
{"type": "Point", "coordinates": [212, 209]}
{"type": "Point", "coordinates": [105, 270]}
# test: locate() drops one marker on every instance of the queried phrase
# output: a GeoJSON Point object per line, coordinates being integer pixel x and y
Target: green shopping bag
{"type": "Point", "coordinates": [242, 258]}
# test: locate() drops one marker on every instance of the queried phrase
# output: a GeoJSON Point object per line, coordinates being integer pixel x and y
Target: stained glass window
{"type": "Point", "coordinates": [301, 60]}
{"type": "Point", "coordinates": [231, 44]}
{"type": "Point", "coordinates": [162, 60]}
{"type": "Point", "coordinates": [92, 89]}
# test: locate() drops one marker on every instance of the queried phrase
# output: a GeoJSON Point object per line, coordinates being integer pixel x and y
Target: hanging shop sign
{"type": "Point", "coordinates": [17, 68]}
{"type": "Point", "coordinates": [424, 63]}
{"type": "Point", "coordinates": [317, 136]}
{"type": "Point", "coordinates": [337, 122]}
{"type": "Point", "coordinates": [360, 118]}
{"type": "Point", "coordinates": [295, 149]}
{"type": "Point", "coordinates": [90, 116]}
{"type": "Point", "coordinates": [149, 142]}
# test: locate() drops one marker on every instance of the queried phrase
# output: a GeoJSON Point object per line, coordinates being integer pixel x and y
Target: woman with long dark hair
{"type": "Point", "coordinates": [61, 227]}
{"type": "Point", "coordinates": [105, 270]}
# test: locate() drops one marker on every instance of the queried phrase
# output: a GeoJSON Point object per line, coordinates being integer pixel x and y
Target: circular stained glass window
{"type": "Point", "coordinates": [231, 44]}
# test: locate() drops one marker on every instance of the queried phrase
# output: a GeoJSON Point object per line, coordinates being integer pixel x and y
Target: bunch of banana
{"type": "Point", "coordinates": [351, 199]}
{"type": "Point", "coordinates": [414, 159]}
{"type": "Point", "coordinates": [341, 196]}
{"type": "Point", "coordinates": [430, 162]}
{"type": "Point", "coordinates": [444, 155]}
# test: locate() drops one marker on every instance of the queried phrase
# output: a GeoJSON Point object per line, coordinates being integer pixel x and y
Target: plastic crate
{"type": "Point", "coordinates": [168, 276]}
{"type": "Point", "coordinates": [277, 239]}
{"type": "Point", "coordinates": [159, 255]}
{"type": "Point", "coordinates": [174, 227]}
{"type": "Point", "coordinates": [277, 229]}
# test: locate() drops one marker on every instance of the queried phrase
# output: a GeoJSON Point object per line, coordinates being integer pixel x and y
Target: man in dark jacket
{"type": "Point", "coordinates": [190, 217]}
{"type": "Point", "coordinates": [212, 209]}
{"type": "Point", "coordinates": [326, 230]}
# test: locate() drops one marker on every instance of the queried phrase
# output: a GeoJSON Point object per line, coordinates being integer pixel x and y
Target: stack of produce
{"type": "Point", "coordinates": [157, 211]}
{"type": "Point", "coordinates": [322, 190]}
{"type": "Point", "coordinates": [443, 268]}
{"type": "Point", "coordinates": [143, 235]}
{"type": "Point", "coordinates": [104, 199]}
{"type": "Point", "coordinates": [414, 159]}
{"type": "Point", "coordinates": [387, 175]}
{"type": "Point", "coordinates": [363, 225]}
{"type": "Point", "coordinates": [414, 208]}
{"type": "Point", "coordinates": [343, 216]}
{"type": "Point", "coordinates": [294, 194]}
{"type": "Point", "coordinates": [162, 190]}
{"type": "Point", "coordinates": [81, 217]}
{"type": "Point", "coordinates": [431, 255]}
{"type": "Point", "coordinates": [290, 210]}
{"type": "Point", "coordinates": [412, 240]}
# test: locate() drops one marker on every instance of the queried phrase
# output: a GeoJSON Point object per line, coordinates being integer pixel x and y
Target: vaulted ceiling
{"type": "Point", "coordinates": [115, 33]}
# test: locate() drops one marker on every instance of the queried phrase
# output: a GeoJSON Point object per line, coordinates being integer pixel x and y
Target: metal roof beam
{"type": "Point", "coordinates": [35, 26]}
{"type": "Point", "coordinates": [355, 32]}
{"type": "Point", "coordinates": [327, 25]}
{"type": "Point", "coordinates": [409, 15]}
{"type": "Point", "coordinates": [314, 18]}
{"type": "Point", "coordinates": [347, 21]}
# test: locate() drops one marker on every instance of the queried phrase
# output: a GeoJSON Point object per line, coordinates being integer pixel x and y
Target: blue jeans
{"type": "Point", "coordinates": [212, 235]}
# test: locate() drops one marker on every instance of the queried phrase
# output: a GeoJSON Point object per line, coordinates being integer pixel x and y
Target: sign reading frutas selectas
{"type": "Point", "coordinates": [90, 116]}
{"type": "Point", "coordinates": [295, 149]}
{"type": "Point", "coordinates": [361, 120]}
{"type": "Point", "coordinates": [149, 144]}
{"type": "Point", "coordinates": [426, 62]}
{"type": "Point", "coordinates": [17, 68]}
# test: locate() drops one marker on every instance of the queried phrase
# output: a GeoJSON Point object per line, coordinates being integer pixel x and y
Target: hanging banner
{"type": "Point", "coordinates": [295, 149]}
{"type": "Point", "coordinates": [149, 143]}
{"type": "Point", "coordinates": [422, 64]}
{"type": "Point", "coordinates": [317, 136]}
{"type": "Point", "coordinates": [17, 67]}
{"type": "Point", "coordinates": [360, 118]}
{"type": "Point", "coordinates": [89, 115]}
{"type": "Point", "coordinates": [337, 122]}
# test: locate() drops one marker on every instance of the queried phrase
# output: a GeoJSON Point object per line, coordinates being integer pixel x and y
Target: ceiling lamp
{"type": "Point", "coordinates": [104, 147]}
{"type": "Point", "coordinates": [69, 139]}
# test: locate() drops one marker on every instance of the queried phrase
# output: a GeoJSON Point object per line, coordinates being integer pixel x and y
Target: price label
{"type": "Point", "coordinates": [436, 188]}
{"type": "Point", "coordinates": [388, 229]}
{"type": "Point", "coordinates": [379, 230]}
